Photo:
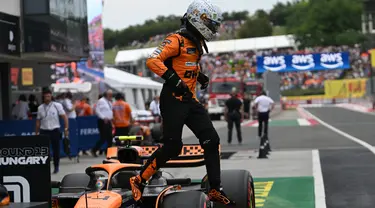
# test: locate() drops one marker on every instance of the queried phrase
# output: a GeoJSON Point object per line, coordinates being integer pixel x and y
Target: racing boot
{"type": "Point", "coordinates": [138, 182]}
{"type": "Point", "coordinates": [220, 197]}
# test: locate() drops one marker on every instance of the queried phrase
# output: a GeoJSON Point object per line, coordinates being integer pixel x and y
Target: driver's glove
{"type": "Point", "coordinates": [203, 80]}
{"type": "Point", "coordinates": [179, 87]}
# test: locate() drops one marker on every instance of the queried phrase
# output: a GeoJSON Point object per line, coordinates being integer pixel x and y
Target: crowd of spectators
{"type": "Point", "coordinates": [244, 63]}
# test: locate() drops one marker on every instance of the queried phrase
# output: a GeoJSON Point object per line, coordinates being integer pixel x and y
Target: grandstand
{"type": "Point", "coordinates": [133, 60]}
{"type": "Point", "coordinates": [240, 54]}
{"type": "Point", "coordinates": [227, 31]}
{"type": "Point", "coordinates": [226, 46]}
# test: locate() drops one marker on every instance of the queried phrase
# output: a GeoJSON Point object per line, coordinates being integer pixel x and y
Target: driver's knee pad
{"type": "Point", "coordinates": [209, 140]}
{"type": "Point", "coordinates": [172, 147]}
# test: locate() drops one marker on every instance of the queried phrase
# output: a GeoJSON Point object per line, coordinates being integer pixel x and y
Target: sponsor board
{"type": "Point", "coordinates": [23, 156]}
{"type": "Point", "coordinates": [25, 168]}
{"type": "Point", "coordinates": [303, 62]}
{"type": "Point", "coordinates": [354, 88]}
{"type": "Point", "coordinates": [286, 123]}
{"type": "Point", "coordinates": [9, 34]}
{"type": "Point", "coordinates": [292, 102]}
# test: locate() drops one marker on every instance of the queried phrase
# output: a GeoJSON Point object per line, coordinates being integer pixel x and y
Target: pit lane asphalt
{"type": "Point", "coordinates": [284, 138]}
{"type": "Point", "coordinates": [347, 167]}
{"type": "Point", "coordinates": [348, 173]}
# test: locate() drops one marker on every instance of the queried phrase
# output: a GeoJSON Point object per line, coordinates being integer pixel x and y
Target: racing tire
{"type": "Point", "coordinates": [156, 132]}
{"type": "Point", "coordinates": [239, 187]}
{"type": "Point", "coordinates": [134, 130]}
{"type": "Point", "coordinates": [186, 199]}
{"type": "Point", "coordinates": [77, 182]}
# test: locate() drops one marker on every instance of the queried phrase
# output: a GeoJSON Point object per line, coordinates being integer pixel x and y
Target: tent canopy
{"type": "Point", "coordinates": [121, 79]}
{"type": "Point", "coordinates": [262, 43]}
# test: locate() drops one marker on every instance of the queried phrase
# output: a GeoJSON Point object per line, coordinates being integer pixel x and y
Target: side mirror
{"type": "Point", "coordinates": [99, 185]}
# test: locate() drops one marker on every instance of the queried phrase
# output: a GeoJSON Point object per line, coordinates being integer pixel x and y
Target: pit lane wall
{"type": "Point", "coordinates": [83, 132]}
{"type": "Point", "coordinates": [335, 91]}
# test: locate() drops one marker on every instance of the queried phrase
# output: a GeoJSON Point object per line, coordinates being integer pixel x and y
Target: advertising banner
{"type": "Point", "coordinates": [25, 168]}
{"type": "Point", "coordinates": [83, 132]}
{"type": "Point", "coordinates": [14, 72]}
{"type": "Point", "coordinates": [9, 34]}
{"type": "Point", "coordinates": [27, 128]}
{"type": "Point", "coordinates": [303, 62]}
{"type": "Point", "coordinates": [24, 77]}
{"type": "Point", "coordinates": [27, 76]}
{"type": "Point", "coordinates": [90, 70]}
{"type": "Point", "coordinates": [87, 132]}
{"type": "Point", "coordinates": [354, 88]}
{"type": "Point", "coordinates": [372, 55]}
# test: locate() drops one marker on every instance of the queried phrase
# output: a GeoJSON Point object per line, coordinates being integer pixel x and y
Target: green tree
{"type": "Point", "coordinates": [323, 22]}
{"type": "Point", "coordinates": [122, 38]}
{"type": "Point", "coordinates": [226, 16]}
{"type": "Point", "coordinates": [279, 13]}
{"type": "Point", "coordinates": [110, 38]}
{"type": "Point", "coordinates": [255, 27]}
{"type": "Point", "coordinates": [260, 13]}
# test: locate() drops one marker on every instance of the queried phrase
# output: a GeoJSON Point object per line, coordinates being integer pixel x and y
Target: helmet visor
{"type": "Point", "coordinates": [211, 24]}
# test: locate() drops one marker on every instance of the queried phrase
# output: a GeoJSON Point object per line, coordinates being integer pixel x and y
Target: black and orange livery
{"type": "Point", "coordinates": [163, 190]}
{"type": "Point", "coordinates": [179, 54]}
{"type": "Point", "coordinates": [191, 155]}
{"type": "Point", "coordinates": [4, 196]}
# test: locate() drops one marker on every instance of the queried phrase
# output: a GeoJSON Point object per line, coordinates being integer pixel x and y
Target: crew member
{"type": "Point", "coordinates": [83, 108]}
{"type": "Point", "coordinates": [176, 61]}
{"type": "Point", "coordinates": [233, 115]}
{"type": "Point", "coordinates": [122, 116]}
{"type": "Point", "coordinates": [94, 106]}
{"type": "Point", "coordinates": [69, 106]}
{"type": "Point", "coordinates": [48, 123]}
{"type": "Point", "coordinates": [104, 112]}
{"type": "Point", "coordinates": [155, 108]}
{"type": "Point", "coordinates": [264, 105]}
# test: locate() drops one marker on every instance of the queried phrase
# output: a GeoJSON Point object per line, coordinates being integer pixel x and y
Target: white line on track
{"type": "Point", "coordinates": [303, 122]}
{"type": "Point", "coordinates": [348, 136]}
{"type": "Point", "coordinates": [317, 172]}
{"type": "Point", "coordinates": [356, 108]}
{"type": "Point", "coordinates": [247, 122]}
{"type": "Point", "coordinates": [320, 196]}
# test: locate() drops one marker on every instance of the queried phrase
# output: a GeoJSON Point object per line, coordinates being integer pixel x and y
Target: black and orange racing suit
{"type": "Point", "coordinates": [181, 55]}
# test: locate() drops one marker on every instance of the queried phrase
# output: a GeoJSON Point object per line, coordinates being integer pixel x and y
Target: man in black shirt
{"type": "Point", "coordinates": [233, 115]}
{"type": "Point", "coordinates": [246, 106]}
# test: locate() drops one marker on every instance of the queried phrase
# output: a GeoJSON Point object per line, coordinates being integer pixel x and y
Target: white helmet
{"type": "Point", "coordinates": [205, 17]}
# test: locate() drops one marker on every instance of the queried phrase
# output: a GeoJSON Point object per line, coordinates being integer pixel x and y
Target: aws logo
{"type": "Point", "coordinates": [303, 62]}
{"type": "Point", "coordinates": [331, 60]}
{"type": "Point", "coordinates": [274, 63]}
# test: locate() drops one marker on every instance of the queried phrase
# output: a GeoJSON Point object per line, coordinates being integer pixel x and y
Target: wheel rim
{"type": "Point", "coordinates": [249, 194]}
{"type": "Point", "coordinates": [250, 201]}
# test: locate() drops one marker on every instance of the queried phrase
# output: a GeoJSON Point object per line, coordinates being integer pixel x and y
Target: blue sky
{"type": "Point", "coordinates": [94, 8]}
{"type": "Point", "coordinates": [119, 14]}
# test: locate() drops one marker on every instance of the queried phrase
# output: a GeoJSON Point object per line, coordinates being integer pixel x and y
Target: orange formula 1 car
{"type": "Point", "coordinates": [107, 185]}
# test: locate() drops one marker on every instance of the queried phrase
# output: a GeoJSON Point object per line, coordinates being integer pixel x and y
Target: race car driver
{"type": "Point", "coordinates": [176, 60]}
